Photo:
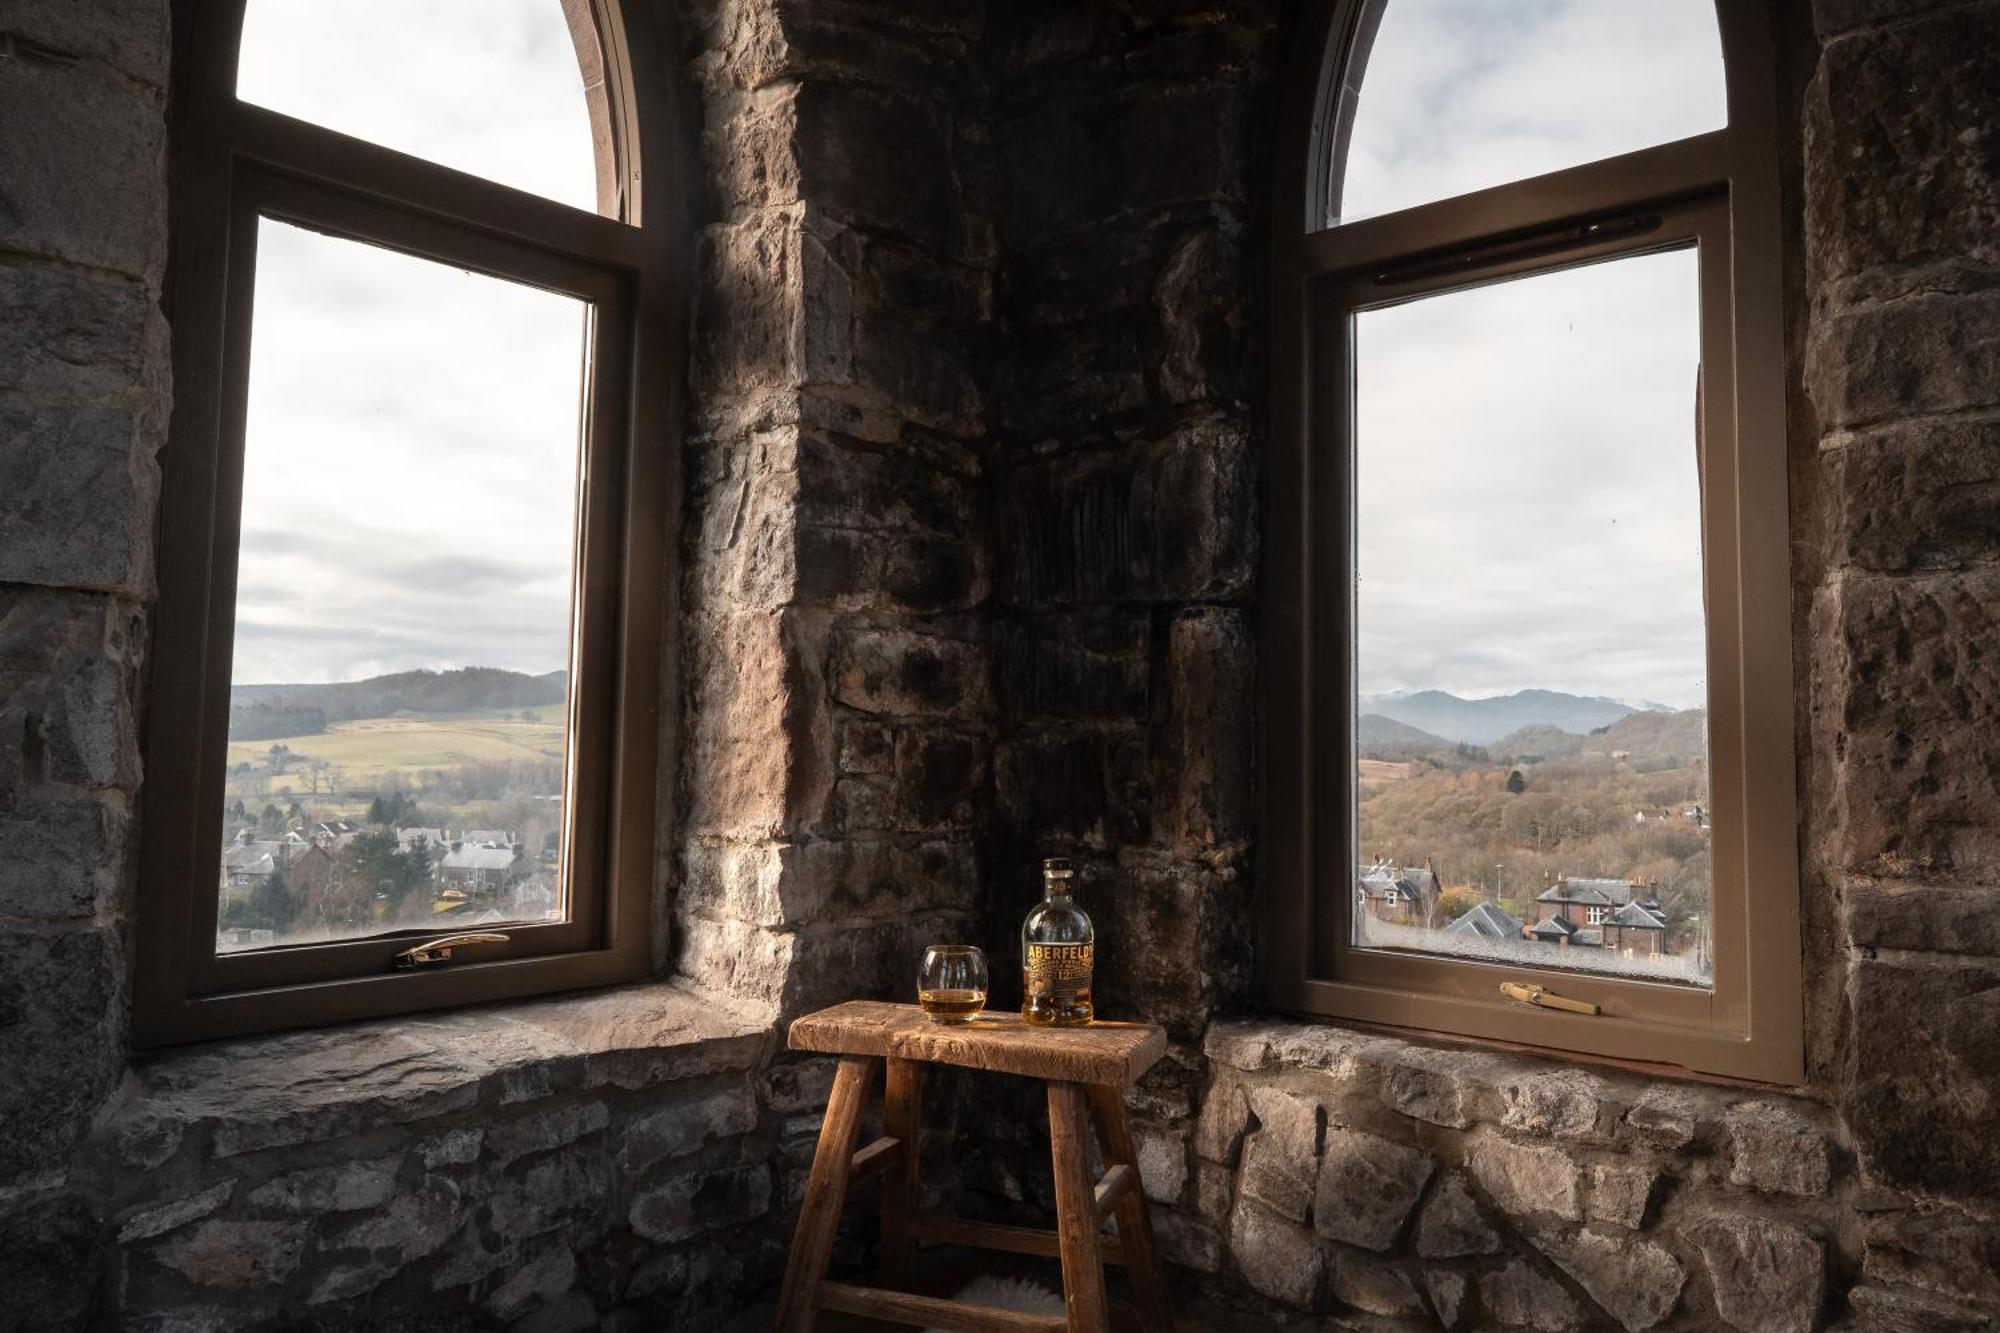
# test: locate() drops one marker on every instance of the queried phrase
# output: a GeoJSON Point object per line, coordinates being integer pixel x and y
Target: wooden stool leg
{"type": "Point", "coordinates": [1076, 1209]}
{"type": "Point", "coordinates": [903, 1118]}
{"type": "Point", "coordinates": [826, 1190]}
{"type": "Point", "coordinates": [1135, 1219]}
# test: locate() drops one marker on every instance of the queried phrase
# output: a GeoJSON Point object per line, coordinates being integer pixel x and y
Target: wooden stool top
{"type": "Point", "coordinates": [1115, 1054]}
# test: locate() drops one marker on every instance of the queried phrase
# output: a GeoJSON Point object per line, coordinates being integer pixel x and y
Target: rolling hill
{"type": "Point", "coordinates": [257, 708]}
{"type": "Point", "coordinates": [1481, 721]}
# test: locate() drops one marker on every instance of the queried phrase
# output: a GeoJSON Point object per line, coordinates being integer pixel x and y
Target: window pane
{"type": "Point", "coordinates": [1532, 741]}
{"type": "Point", "coordinates": [1460, 95]}
{"type": "Point", "coordinates": [398, 702]}
{"type": "Point", "coordinates": [490, 87]}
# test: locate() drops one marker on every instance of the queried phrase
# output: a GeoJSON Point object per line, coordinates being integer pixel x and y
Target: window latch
{"type": "Point", "coordinates": [437, 952]}
{"type": "Point", "coordinates": [1542, 999]}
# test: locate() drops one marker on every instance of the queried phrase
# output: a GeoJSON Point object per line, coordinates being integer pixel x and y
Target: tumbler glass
{"type": "Point", "coordinates": [951, 986]}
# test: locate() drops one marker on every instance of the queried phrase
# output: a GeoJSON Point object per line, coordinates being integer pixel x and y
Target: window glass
{"type": "Point", "coordinates": [490, 87]}
{"type": "Point", "coordinates": [398, 702]}
{"type": "Point", "coordinates": [1532, 744]}
{"type": "Point", "coordinates": [1459, 95]}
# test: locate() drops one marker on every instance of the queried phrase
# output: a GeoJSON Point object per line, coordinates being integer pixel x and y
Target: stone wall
{"type": "Point", "coordinates": [840, 703]}
{"type": "Point", "coordinates": [977, 401]}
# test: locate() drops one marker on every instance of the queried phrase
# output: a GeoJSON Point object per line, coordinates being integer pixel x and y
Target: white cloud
{"type": "Point", "coordinates": [1526, 473]}
{"type": "Point", "coordinates": [409, 487]}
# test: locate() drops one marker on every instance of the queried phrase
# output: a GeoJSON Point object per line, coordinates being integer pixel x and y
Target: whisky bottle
{"type": "Point", "coordinates": [1058, 947]}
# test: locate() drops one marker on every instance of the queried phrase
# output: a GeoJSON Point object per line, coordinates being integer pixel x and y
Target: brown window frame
{"type": "Point", "coordinates": [1718, 191]}
{"type": "Point", "coordinates": [233, 162]}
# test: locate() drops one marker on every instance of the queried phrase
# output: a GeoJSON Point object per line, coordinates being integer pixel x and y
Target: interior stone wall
{"type": "Point", "coordinates": [971, 577]}
{"type": "Point", "coordinates": [1406, 1180]}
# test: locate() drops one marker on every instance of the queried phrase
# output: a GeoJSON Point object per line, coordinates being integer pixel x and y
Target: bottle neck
{"type": "Point", "coordinates": [1057, 890]}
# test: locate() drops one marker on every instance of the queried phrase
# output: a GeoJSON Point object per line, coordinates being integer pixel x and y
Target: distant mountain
{"type": "Point", "coordinates": [1657, 737]}
{"type": "Point", "coordinates": [1374, 729]}
{"type": "Point", "coordinates": [254, 708]}
{"type": "Point", "coordinates": [1481, 721]}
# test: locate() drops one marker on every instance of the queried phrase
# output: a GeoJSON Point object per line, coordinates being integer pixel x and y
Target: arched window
{"type": "Point", "coordinates": [415, 514]}
{"type": "Point", "coordinates": [1527, 549]}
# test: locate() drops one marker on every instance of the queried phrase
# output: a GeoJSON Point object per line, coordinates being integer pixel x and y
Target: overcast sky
{"type": "Point", "coordinates": [409, 486]}
{"type": "Point", "coordinates": [1529, 504]}
{"type": "Point", "coordinates": [1526, 476]}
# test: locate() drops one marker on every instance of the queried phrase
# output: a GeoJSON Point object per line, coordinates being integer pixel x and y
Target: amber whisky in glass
{"type": "Point", "coordinates": [951, 986]}
{"type": "Point", "coordinates": [1058, 952]}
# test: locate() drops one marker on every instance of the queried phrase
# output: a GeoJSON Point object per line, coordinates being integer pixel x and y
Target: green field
{"type": "Point", "coordinates": [365, 749]}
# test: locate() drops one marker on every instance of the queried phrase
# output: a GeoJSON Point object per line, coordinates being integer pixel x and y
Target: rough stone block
{"type": "Point", "coordinates": [903, 673]}
{"type": "Point", "coordinates": [78, 136]}
{"type": "Point", "coordinates": [1163, 1162]}
{"type": "Point", "coordinates": [1087, 664]}
{"type": "Point", "coordinates": [1374, 1287]}
{"type": "Point", "coordinates": [1367, 1187]}
{"type": "Point", "coordinates": [128, 35]}
{"type": "Point", "coordinates": [1188, 1243]}
{"type": "Point", "coordinates": [414, 1226]}
{"type": "Point", "coordinates": [542, 1131]}
{"type": "Point", "coordinates": [1896, 1310]}
{"type": "Point", "coordinates": [1778, 1149]}
{"type": "Point", "coordinates": [1928, 918]}
{"type": "Point", "coordinates": [1200, 304]}
{"type": "Point", "coordinates": [677, 1130]}
{"type": "Point", "coordinates": [540, 1280]}
{"type": "Point", "coordinates": [1064, 784]}
{"type": "Point", "coordinates": [1281, 1158]}
{"type": "Point", "coordinates": [1621, 1193]}
{"type": "Point", "coordinates": [1424, 1086]}
{"type": "Point", "coordinates": [1179, 925]}
{"type": "Point", "coordinates": [227, 1253]}
{"type": "Point", "coordinates": [760, 754]}
{"type": "Point", "coordinates": [1203, 760]}
{"type": "Point", "coordinates": [1637, 1282]}
{"type": "Point", "coordinates": [1930, 351]}
{"type": "Point", "coordinates": [1906, 497]}
{"type": "Point", "coordinates": [1520, 1297]}
{"type": "Point", "coordinates": [55, 1263]}
{"type": "Point", "coordinates": [1948, 1082]}
{"type": "Point", "coordinates": [1225, 1119]}
{"type": "Point", "coordinates": [1448, 1291]}
{"type": "Point", "coordinates": [78, 491]}
{"type": "Point", "coordinates": [554, 1191]}
{"type": "Point", "coordinates": [1909, 700]}
{"type": "Point", "coordinates": [158, 1219]}
{"type": "Point", "coordinates": [688, 1206]}
{"type": "Point", "coordinates": [77, 338]}
{"type": "Point", "coordinates": [68, 676]}
{"type": "Point", "coordinates": [1564, 1103]}
{"type": "Point", "coordinates": [1452, 1225]}
{"type": "Point", "coordinates": [1947, 1254]}
{"type": "Point", "coordinates": [750, 316]}
{"type": "Point", "coordinates": [879, 158]}
{"type": "Point", "coordinates": [1278, 1258]}
{"type": "Point", "coordinates": [1524, 1178]}
{"type": "Point", "coordinates": [328, 1189]}
{"type": "Point", "coordinates": [1667, 1117]}
{"type": "Point", "coordinates": [61, 1004]}
{"type": "Point", "coordinates": [1893, 176]}
{"type": "Point", "coordinates": [1768, 1276]}
{"type": "Point", "coordinates": [1172, 520]}
{"type": "Point", "coordinates": [1078, 148]}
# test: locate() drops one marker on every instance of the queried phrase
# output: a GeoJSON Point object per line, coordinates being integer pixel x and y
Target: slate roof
{"type": "Point", "coordinates": [1557, 927]}
{"type": "Point", "coordinates": [1639, 917]}
{"type": "Point", "coordinates": [1487, 920]}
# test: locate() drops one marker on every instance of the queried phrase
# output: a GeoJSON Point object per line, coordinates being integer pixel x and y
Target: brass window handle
{"type": "Point", "coordinates": [431, 953]}
{"type": "Point", "coordinates": [1542, 999]}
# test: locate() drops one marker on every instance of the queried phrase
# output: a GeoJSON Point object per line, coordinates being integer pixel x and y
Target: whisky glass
{"type": "Point", "coordinates": [951, 985]}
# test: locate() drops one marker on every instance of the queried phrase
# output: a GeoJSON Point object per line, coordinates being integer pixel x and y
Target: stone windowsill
{"type": "Point", "coordinates": [1458, 1086]}
{"type": "Point", "coordinates": [304, 1087]}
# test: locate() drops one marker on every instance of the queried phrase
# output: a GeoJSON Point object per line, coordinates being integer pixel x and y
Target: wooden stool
{"type": "Point", "coordinates": [1087, 1070]}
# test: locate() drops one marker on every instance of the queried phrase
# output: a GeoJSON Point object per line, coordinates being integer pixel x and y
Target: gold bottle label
{"type": "Point", "coordinates": [1059, 971]}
